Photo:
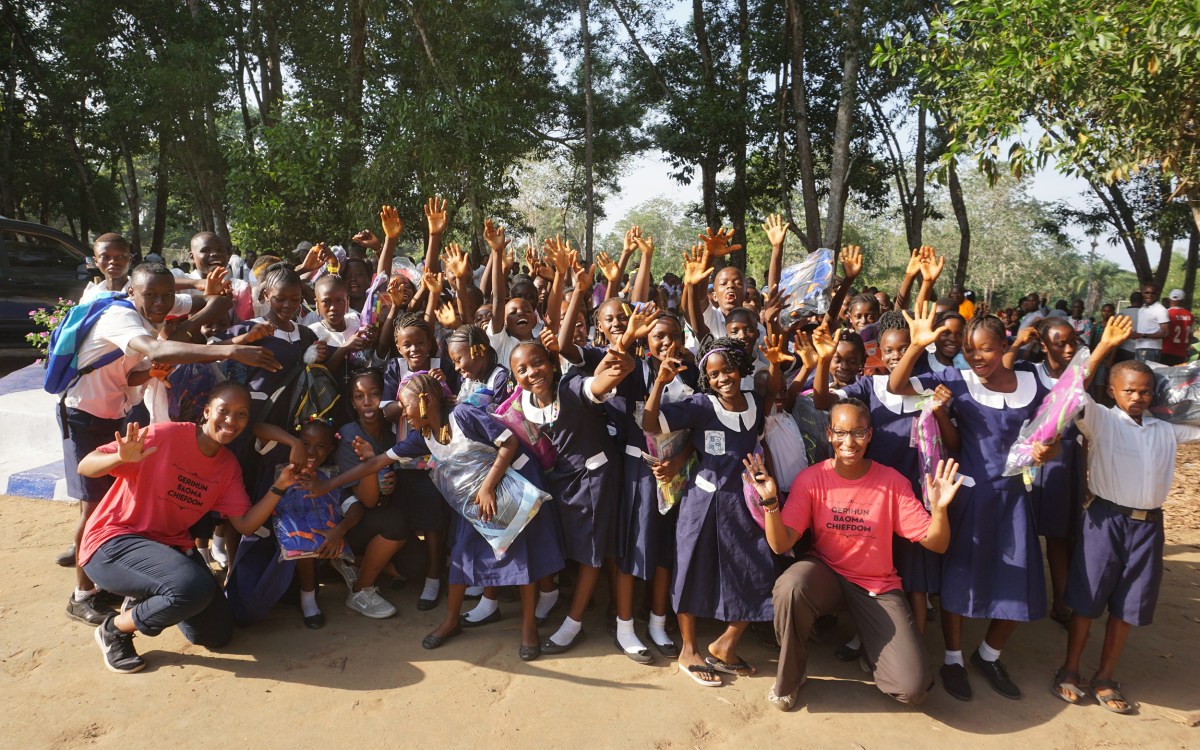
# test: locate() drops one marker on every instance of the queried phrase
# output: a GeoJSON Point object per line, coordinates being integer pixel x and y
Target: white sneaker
{"type": "Point", "coordinates": [368, 602]}
{"type": "Point", "coordinates": [348, 572]}
{"type": "Point", "coordinates": [219, 556]}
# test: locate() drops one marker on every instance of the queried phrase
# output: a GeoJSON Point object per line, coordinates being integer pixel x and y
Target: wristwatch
{"type": "Point", "coordinates": [276, 490]}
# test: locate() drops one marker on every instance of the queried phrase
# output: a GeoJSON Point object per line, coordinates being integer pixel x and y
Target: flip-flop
{"type": "Point", "coordinates": [1113, 689]}
{"type": "Point", "coordinates": [694, 672]}
{"type": "Point", "coordinates": [739, 669]}
{"type": "Point", "coordinates": [1061, 687]}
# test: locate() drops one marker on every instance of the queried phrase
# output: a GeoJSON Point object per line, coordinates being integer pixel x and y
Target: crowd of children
{"type": "Point", "coordinates": [656, 423]}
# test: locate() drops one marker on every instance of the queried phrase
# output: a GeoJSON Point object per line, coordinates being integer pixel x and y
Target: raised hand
{"type": "Point", "coordinates": [914, 264]}
{"type": "Point", "coordinates": [435, 215]}
{"type": "Point", "coordinates": [775, 350]}
{"type": "Point", "coordinates": [549, 341]}
{"type": "Point", "coordinates": [773, 306]}
{"type": "Point", "coordinates": [508, 259]}
{"type": "Point", "coordinates": [851, 258]}
{"type": "Point", "coordinates": [931, 264]}
{"type": "Point", "coordinates": [806, 351]}
{"type": "Point", "coordinates": [824, 344]}
{"type": "Point", "coordinates": [1025, 337]}
{"type": "Point", "coordinates": [644, 244]}
{"type": "Point", "coordinates": [696, 268]}
{"type": "Point", "coordinates": [670, 366]}
{"type": "Point", "coordinates": [583, 278]}
{"type": "Point", "coordinates": [317, 255]}
{"type": "Point", "coordinates": [432, 282]}
{"type": "Point", "coordinates": [776, 229]}
{"type": "Point", "coordinates": [941, 486]}
{"type": "Point", "coordinates": [920, 329]}
{"type": "Point", "coordinates": [399, 293]}
{"type": "Point", "coordinates": [393, 225]}
{"type": "Point", "coordinates": [132, 447]}
{"type": "Point", "coordinates": [494, 236]}
{"type": "Point", "coordinates": [456, 261]}
{"type": "Point", "coordinates": [630, 241]}
{"type": "Point", "coordinates": [756, 476]}
{"type": "Point", "coordinates": [1117, 331]}
{"type": "Point", "coordinates": [609, 267]}
{"type": "Point", "coordinates": [642, 320]}
{"type": "Point", "coordinates": [718, 244]}
{"type": "Point", "coordinates": [217, 282]}
{"type": "Point", "coordinates": [367, 238]}
{"type": "Point", "coordinates": [447, 316]}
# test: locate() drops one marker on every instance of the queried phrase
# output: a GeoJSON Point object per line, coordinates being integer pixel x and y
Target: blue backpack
{"type": "Point", "coordinates": [62, 355]}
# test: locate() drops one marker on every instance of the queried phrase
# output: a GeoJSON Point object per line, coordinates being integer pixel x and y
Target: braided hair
{"type": "Point", "coordinates": [732, 351]}
{"type": "Point", "coordinates": [892, 320]}
{"type": "Point", "coordinates": [279, 275]}
{"type": "Point", "coordinates": [416, 320]}
{"type": "Point", "coordinates": [988, 323]}
{"type": "Point", "coordinates": [474, 336]}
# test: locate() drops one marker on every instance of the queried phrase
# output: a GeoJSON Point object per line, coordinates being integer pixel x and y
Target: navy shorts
{"type": "Point", "coordinates": [1118, 565]}
{"type": "Point", "coordinates": [82, 434]}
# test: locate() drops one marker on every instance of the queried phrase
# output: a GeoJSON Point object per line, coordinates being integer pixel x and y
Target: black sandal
{"type": "Point", "coordinates": [1114, 695]}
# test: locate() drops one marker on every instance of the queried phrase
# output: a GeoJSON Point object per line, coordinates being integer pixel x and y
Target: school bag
{"type": "Point", "coordinates": [62, 353]}
{"type": "Point", "coordinates": [309, 392]}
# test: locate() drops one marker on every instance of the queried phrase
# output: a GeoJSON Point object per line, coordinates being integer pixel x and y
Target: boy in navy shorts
{"type": "Point", "coordinates": [1118, 558]}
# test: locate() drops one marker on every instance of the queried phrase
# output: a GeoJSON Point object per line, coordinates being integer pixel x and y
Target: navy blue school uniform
{"type": "Point", "coordinates": [288, 347]}
{"type": "Point", "coordinates": [891, 422]}
{"type": "Point", "coordinates": [423, 504]}
{"type": "Point", "coordinates": [1059, 484]}
{"type": "Point", "coordinates": [724, 568]}
{"type": "Point", "coordinates": [492, 388]}
{"type": "Point", "coordinates": [645, 538]}
{"type": "Point", "coordinates": [586, 477]}
{"type": "Point", "coordinates": [387, 518]}
{"type": "Point", "coordinates": [535, 553]}
{"type": "Point", "coordinates": [993, 567]}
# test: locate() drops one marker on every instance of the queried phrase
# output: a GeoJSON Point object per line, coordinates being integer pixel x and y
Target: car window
{"type": "Point", "coordinates": [31, 252]}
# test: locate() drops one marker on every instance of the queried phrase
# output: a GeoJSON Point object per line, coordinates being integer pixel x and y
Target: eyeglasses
{"type": "Point", "coordinates": [856, 434]}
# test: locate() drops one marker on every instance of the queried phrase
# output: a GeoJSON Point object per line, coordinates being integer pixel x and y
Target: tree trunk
{"type": "Point", "coordinates": [839, 165]}
{"type": "Point", "coordinates": [964, 226]}
{"type": "Point", "coordinates": [918, 206]}
{"type": "Point", "coordinates": [133, 198]}
{"type": "Point", "coordinates": [1189, 272]}
{"type": "Point", "coordinates": [804, 148]}
{"type": "Point", "coordinates": [589, 188]}
{"type": "Point", "coordinates": [1166, 244]}
{"type": "Point", "coordinates": [160, 195]}
{"type": "Point", "coordinates": [8, 198]}
{"type": "Point", "coordinates": [737, 197]}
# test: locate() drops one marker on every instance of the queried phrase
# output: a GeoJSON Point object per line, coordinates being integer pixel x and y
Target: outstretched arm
{"type": "Point", "coordinates": [776, 229]}
{"type": "Point", "coordinates": [851, 258]}
{"type": "Point", "coordinates": [921, 335]}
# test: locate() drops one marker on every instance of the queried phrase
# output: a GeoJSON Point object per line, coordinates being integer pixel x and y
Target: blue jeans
{"type": "Point", "coordinates": [172, 589]}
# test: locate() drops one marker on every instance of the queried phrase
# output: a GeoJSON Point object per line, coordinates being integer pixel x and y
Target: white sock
{"type": "Point", "coordinates": [483, 609]}
{"type": "Point", "coordinates": [308, 603]}
{"type": "Point", "coordinates": [855, 643]}
{"type": "Point", "coordinates": [987, 653]}
{"type": "Point", "coordinates": [545, 603]}
{"type": "Point", "coordinates": [432, 587]}
{"type": "Point", "coordinates": [566, 632]}
{"type": "Point", "coordinates": [80, 594]}
{"type": "Point", "coordinates": [658, 629]}
{"type": "Point", "coordinates": [954, 657]}
{"type": "Point", "coordinates": [218, 545]}
{"type": "Point", "coordinates": [205, 555]}
{"type": "Point", "coordinates": [474, 591]}
{"type": "Point", "coordinates": [628, 639]}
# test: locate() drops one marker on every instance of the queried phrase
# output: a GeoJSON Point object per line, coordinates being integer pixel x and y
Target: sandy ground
{"type": "Point", "coordinates": [365, 683]}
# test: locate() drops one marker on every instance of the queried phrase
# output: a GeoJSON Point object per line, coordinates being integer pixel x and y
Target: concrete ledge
{"type": "Point", "coordinates": [30, 443]}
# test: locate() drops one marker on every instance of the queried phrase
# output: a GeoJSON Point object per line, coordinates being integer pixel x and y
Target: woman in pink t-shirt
{"type": "Point", "coordinates": [854, 506]}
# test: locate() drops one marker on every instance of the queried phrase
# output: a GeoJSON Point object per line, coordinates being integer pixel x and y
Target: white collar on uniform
{"type": "Point", "coordinates": [1021, 397]}
{"type": "Point", "coordinates": [535, 413]}
{"type": "Point", "coordinates": [893, 402]}
{"type": "Point", "coordinates": [734, 419]}
{"type": "Point", "coordinates": [935, 365]}
{"type": "Point", "coordinates": [1044, 375]}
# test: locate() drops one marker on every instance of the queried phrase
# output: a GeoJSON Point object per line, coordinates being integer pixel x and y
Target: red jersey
{"type": "Point", "coordinates": [1179, 331]}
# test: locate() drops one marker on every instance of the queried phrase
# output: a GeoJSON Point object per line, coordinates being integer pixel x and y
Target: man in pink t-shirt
{"type": "Point", "coordinates": [137, 543]}
{"type": "Point", "coordinates": [854, 507]}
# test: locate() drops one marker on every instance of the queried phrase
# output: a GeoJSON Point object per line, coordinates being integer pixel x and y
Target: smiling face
{"type": "Point", "coordinates": [208, 252]}
{"type": "Point", "coordinates": [226, 415]}
{"type": "Point", "coordinates": [724, 379]}
{"type": "Point", "coordinates": [862, 314]}
{"type": "Point", "coordinates": [413, 344]}
{"type": "Point", "coordinates": [518, 318]}
{"type": "Point", "coordinates": [468, 365]}
{"type": "Point", "coordinates": [949, 342]}
{"type": "Point", "coordinates": [358, 278]}
{"type": "Point", "coordinates": [663, 335]}
{"type": "Point", "coordinates": [985, 353]}
{"type": "Point", "coordinates": [892, 345]}
{"type": "Point", "coordinates": [849, 434]}
{"type": "Point", "coordinates": [318, 440]}
{"type": "Point", "coordinates": [113, 259]}
{"type": "Point", "coordinates": [612, 318]}
{"type": "Point", "coordinates": [365, 397]}
{"type": "Point", "coordinates": [153, 296]}
{"type": "Point", "coordinates": [1133, 391]}
{"type": "Point", "coordinates": [533, 371]}
{"type": "Point", "coordinates": [284, 302]}
{"type": "Point", "coordinates": [483, 315]}
{"type": "Point", "coordinates": [729, 289]}
{"type": "Point", "coordinates": [744, 329]}
{"type": "Point", "coordinates": [847, 363]}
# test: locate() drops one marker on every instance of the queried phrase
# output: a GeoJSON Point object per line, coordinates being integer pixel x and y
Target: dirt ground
{"type": "Point", "coordinates": [366, 683]}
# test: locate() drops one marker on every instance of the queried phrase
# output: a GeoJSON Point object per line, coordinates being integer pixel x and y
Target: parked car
{"type": "Point", "coordinates": [38, 265]}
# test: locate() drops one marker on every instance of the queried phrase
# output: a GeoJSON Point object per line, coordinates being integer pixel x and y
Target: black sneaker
{"type": "Point", "coordinates": [997, 676]}
{"type": "Point", "coordinates": [117, 647]}
{"type": "Point", "coordinates": [87, 610]}
{"type": "Point", "coordinates": [66, 558]}
{"type": "Point", "coordinates": [954, 679]}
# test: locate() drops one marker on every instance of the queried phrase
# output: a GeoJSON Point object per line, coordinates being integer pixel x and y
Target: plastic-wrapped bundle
{"type": "Point", "coordinates": [1177, 393]}
{"type": "Point", "coordinates": [372, 311]}
{"type": "Point", "coordinates": [517, 501]}
{"type": "Point", "coordinates": [786, 443]}
{"type": "Point", "coordinates": [926, 437]}
{"type": "Point", "coordinates": [301, 522]}
{"type": "Point", "coordinates": [1061, 405]}
{"type": "Point", "coordinates": [662, 447]}
{"type": "Point", "coordinates": [512, 415]}
{"type": "Point", "coordinates": [807, 283]}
